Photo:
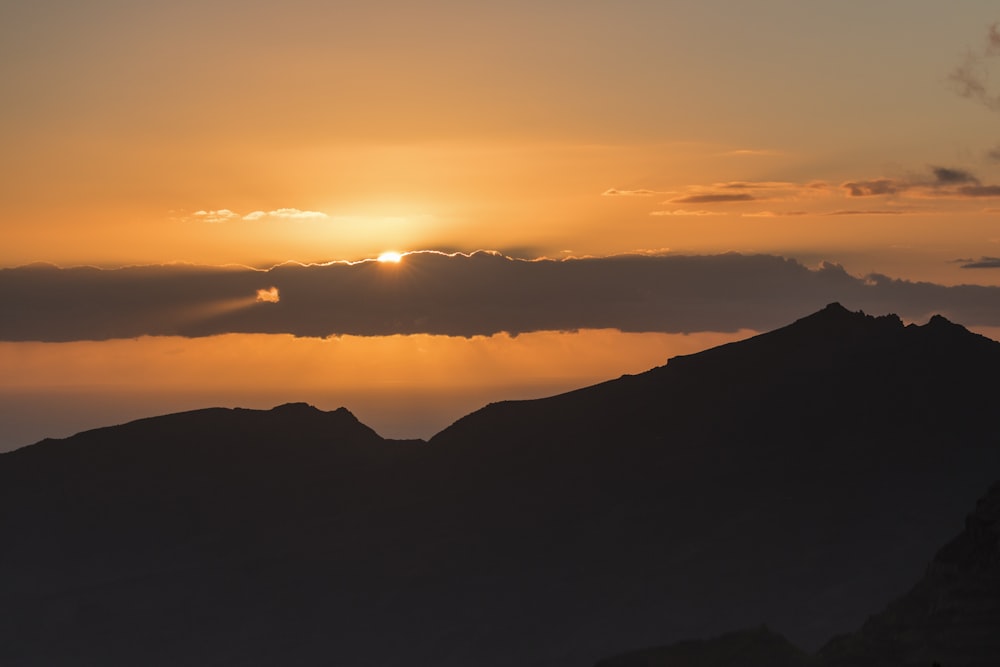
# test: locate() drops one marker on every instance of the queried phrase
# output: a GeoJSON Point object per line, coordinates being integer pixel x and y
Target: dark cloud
{"type": "Point", "coordinates": [948, 176]}
{"type": "Point", "coordinates": [713, 198]}
{"type": "Point", "coordinates": [942, 182]}
{"type": "Point", "coordinates": [981, 263]}
{"type": "Point", "coordinates": [461, 295]}
{"type": "Point", "coordinates": [980, 190]}
{"type": "Point", "coordinates": [880, 186]}
{"type": "Point", "coordinates": [994, 154]}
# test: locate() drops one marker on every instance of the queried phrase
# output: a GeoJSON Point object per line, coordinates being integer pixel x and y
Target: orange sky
{"type": "Point", "coordinates": [404, 386]}
{"type": "Point", "coordinates": [216, 132]}
{"type": "Point", "coordinates": [343, 132]}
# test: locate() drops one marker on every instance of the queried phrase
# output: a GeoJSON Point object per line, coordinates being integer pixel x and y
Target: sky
{"type": "Point", "coordinates": [195, 194]}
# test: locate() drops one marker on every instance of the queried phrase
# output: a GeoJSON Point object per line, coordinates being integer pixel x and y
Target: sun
{"type": "Point", "coordinates": [390, 257]}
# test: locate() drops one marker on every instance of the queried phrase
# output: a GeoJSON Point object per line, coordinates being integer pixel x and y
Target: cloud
{"type": "Point", "coordinates": [980, 190]}
{"type": "Point", "coordinates": [222, 215]}
{"type": "Point", "coordinates": [755, 185]}
{"type": "Point", "coordinates": [880, 186]}
{"type": "Point", "coordinates": [713, 198]}
{"type": "Point", "coordinates": [948, 176]}
{"type": "Point", "coordinates": [981, 263]}
{"type": "Point", "coordinates": [286, 214]}
{"type": "Point", "coordinates": [941, 182]}
{"type": "Point", "coordinates": [864, 212]}
{"type": "Point", "coordinates": [971, 78]}
{"type": "Point", "coordinates": [269, 295]}
{"type": "Point", "coordinates": [615, 192]}
{"type": "Point", "coordinates": [227, 215]}
{"type": "Point", "coordinates": [686, 212]}
{"type": "Point", "coordinates": [461, 295]}
{"type": "Point", "coordinates": [773, 214]}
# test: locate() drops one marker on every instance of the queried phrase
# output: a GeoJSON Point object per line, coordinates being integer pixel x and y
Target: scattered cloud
{"type": "Point", "coordinates": [971, 78]}
{"type": "Point", "coordinates": [948, 176]}
{"type": "Point", "coordinates": [754, 185]}
{"type": "Point", "coordinates": [980, 190]}
{"type": "Point", "coordinates": [880, 186]}
{"type": "Point", "coordinates": [221, 215]}
{"type": "Point", "coordinates": [820, 198]}
{"type": "Point", "coordinates": [482, 293]}
{"type": "Point", "coordinates": [286, 214]}
{"type": "Point", "coordinates": [615, 192]}
{"type": "Point", "coordinates": [686, 212]}
{"type": "Point", "coordinates": [941, 182]}
{"type": "Point", "coordinates": [864, 212]}
{"type": "Point", "coordinates": [227, 215]}
{"type": "Point", "coordinates": [712, 198]}
{"type": "Point", "coordinates": [981, 263]}
{"type": "Point", "coordinates": [774, 214]}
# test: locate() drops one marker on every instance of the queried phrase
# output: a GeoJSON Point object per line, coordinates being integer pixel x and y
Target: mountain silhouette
{"type": "Point", "coordinates": [798, 479]}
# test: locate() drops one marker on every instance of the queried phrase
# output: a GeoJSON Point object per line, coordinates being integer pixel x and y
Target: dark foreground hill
{"type": "Point", "coordinates": [798, 479]}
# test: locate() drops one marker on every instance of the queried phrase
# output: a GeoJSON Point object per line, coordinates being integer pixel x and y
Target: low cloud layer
{"type": "Point", "coordinates": [461, 295]}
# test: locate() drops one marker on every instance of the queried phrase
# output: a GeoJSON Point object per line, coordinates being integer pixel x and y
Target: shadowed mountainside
{"type": "Point", "coordinates": [950, 617]}
{"type": "Point", "coordinates": [798, 479]}
{"type": "Point", "coordinates": [747, 648]}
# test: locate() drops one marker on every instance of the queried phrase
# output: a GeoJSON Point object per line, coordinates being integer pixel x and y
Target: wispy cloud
{"type": "Point", "coordinates": [980, 190]}
{"type": "Point", "coordinates": [864, 212]}
{"type": "Point", "coordinates": [686, 212]}
{"type": "Point", "coordinates": [971, 78]}
{"type": "Point", "coordinates": [221, 215]}
{"type": "Point", "coordinates": [981, 263]}
{"type": "Point", "coordinates": [879, 186]}
{"type": "Point", "coordinates": [615, 192]}
{"type": "Point", "coordinates": [228, 215]}
{"type": "Point", "coordinates": [713, 198]}
{"type": "Point", "coordinates": [820, 198]}
{"type": "Point", "coordinates": [286, 214]}
{"type": "Point", "coordinates": [949, 176]}
{"type": "Point", "coordinates": [942, 182]}
{"type": "Point", "coordinates": [774, 214]}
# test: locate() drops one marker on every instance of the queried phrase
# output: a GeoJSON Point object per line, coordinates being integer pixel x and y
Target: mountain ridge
{"type": "Point", "coordinates": [830, 455]}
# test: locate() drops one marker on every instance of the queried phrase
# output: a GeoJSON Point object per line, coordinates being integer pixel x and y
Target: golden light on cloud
{"type": "Point", "coordinates": [269, 295]}
{"type": "Point", "coordinates": [390, 257]}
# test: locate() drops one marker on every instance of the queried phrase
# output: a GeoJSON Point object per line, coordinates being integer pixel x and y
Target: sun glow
{"type": "Point", "coordinates": [390, 257]}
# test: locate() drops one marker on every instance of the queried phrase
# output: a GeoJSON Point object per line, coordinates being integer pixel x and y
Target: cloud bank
{"type": "Point", "coordinates": [460, 295]}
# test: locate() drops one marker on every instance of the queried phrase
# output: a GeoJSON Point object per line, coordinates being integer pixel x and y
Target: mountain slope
{"type": "Point", "coordinates": [797, 479]}
{"type": "Point", "coordinates": [952, 615]}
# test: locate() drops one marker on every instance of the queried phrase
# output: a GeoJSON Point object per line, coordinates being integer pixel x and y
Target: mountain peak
{"type": "Point", "coordinates": [836, 313]}
{"type": "Point", "coordinates": [298, 406]}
